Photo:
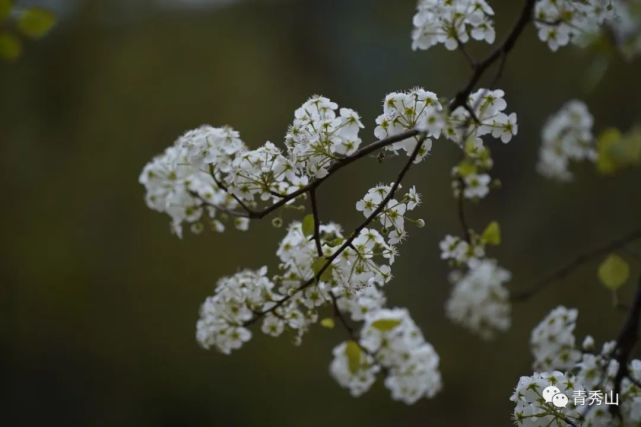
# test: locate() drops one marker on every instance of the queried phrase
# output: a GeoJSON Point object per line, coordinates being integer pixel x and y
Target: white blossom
{"type": "Point", "coordinates": [223, 315]}
{"type": "Point", "coordinates": [393, 215]}
{"type": "Point", "coordinates": [411, 362]}
{"type": "Point", "coordinates": [560, 22]}
{"type": "Point", "coordinates": [489, 118]}
{"type": "Point", "coordinates": [452, 22]}
{"type": "Point", "coordinates": [356, 375]}
{"type": "Point", "coordinates": [318, 136]}
{"type": "Point", "coordinates": [553, 341]}
{"type": "Point", "coordinates": [531, 408]}
{"type": "Point", "coordinates": [417, 109]}
{"type": "Point", "coordinates": [179, 182]}
{"type": "Point", "coordinates": [567, 136]}
{"type": "Point", "coordinates": [480, 301]}
{"type": "Point", "coordinates": [461, 251]}
{"type": "Point", "coordinates": [581, 373]}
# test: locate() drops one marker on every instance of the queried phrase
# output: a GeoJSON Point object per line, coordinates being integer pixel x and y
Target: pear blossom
{"type": "Point", "coordinates": [452, 22]}
{"type": "Point", "coordinates": [480, 301]}
{"type": "Point", "coordinates": [560, 22]}
{"type": "Point", "coordinates": [567, 136]}
{"type": "Point", "coordinates": [320, 134]}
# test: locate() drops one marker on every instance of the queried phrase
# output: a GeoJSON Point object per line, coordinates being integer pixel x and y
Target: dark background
{"type": "Point", "coordinates": [98, 301]}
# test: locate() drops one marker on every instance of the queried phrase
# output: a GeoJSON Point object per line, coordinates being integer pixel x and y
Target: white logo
{"type": "Point", "coordinates": [553, 395]}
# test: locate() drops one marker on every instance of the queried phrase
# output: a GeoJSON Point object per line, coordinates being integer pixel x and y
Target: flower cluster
{"type": "Point", "coordinates": [402, 111]}
{"type": "Point", "coordinates": [471, 178]}
{"type": "Point", "coordinates": [560, 22]}
{"type": "Point", "coordinates": [574, 371]}
{"type": "Point", "coordinates": [484, 114]}
{"type": "Point", "coordinates": [567, 136]}
{"type": "Point", "coordinates": [319, 136]}
{"type": "Point", "coordinates": [389, 339]}
{"type": "Point", "coordinates": [460, 251]}
{"type": "Point", "coordinates": [209, 174]}
{"type": "Point", "coordinates": [393, 215]}
{"type": "Point", "coordinates": [533, 409]}
{"type": "Point", "coordinates": [626, 27]}
{"type": "Point", "coordinates": [451, 23]}
{"type": "Point", "coordinates": [237, 298]}
{"type": "Point", "coordinates": [480, 301]}
{"type": "Point", "coordinates": [179, 183]}
{"type": "Point", "coordinates": [552, 341]}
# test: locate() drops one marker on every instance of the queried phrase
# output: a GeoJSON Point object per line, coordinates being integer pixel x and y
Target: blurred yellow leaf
{"type": "Point", "coordinates": [616, 150]}
{"type": "Point", "coordinates": [36, 22]}
{"type": "Point", "coordinates": [308, 225]}
{"type": "Point", "coordinates": [492, 234]}
{"type": "Point", "coordinates": [328, 323]}
{"type": "Point", "coordinates": [10, 47]}
{"type": "Point", "coordinates": [385, 325]}
{"type": "Point", "coordinates": [614, 272]}
{"type": "Point", "coordinates": [353, 353]}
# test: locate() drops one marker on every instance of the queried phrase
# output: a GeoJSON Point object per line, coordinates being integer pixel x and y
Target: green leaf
{"type": "Point", "coordinates": [328, 323]}
{"type": "Point", "coordinates": [353, 353]}
{"type": "Point", "coordinates": [36, 22]}
{"type": "Point", "coordinates": [385, 325]}
{"type": "Point", "coordinates": [466, 168]}
{"type": "Point", "coordinates": [606, 163]}
{"type": "Point", "coordinates": [308, 225]}
{"type": "Point", "coordinates": [492, 234]}
{"type": "Point", "coordinates": [614, 272]}
{"type": "Point", "coordinates": [5, 9]}
{"type": "Point", "coordinates": [616, 150]}
{"type": "Point", "coordinates": [318, 264]}
{"type": "Point", "coordinates": [10, 47]}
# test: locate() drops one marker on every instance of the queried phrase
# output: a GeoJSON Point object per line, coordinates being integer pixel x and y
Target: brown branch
{"type": "Point", "coordinates": [362, 152]}
{"type": "Point", "coordinates": [577, 262]}
{"type": "Point", "coordinates": [348, 243]}
{"type": "Point", "coordinates": [460, 99]}
{"type": "Point", "coordinates": [628, 338]}
{"type": "Point", "coordinates": [317, 240]}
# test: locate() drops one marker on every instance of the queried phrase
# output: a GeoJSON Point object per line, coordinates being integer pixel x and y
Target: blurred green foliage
{"type": "Point", "coordinates": [32, 22]}
{"type": "Point", "coordinates": [99, 301]}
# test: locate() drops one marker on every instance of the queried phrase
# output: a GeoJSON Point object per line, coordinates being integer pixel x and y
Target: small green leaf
{"type": "Point", "coordinates": [492, 234]}
{"type": "Point", "coordinates": [353, 353]}
{"type": "Point", "coordinates": [5, 9]}
{"type": "Point", "coordinates": [385, 325]}
{"type": "Point", "coordinates": [614, 272]}
{"type": "Point", "coordinates": [616, 150]}
{"type": "Point", "coordinates": [10, 47]}
{"type": "Point", "coordinates": [328, 323]}
{"type": "Point", "coordinates": [318, 264]}
{"type": "Point", "coordinates": [36, 22]}
{"type": "Point", "coordinates": [308, 225]}
{"type": "Point", "coordinates": [466, 168]}
{"type": "Point", "coordinates": [606, 163]}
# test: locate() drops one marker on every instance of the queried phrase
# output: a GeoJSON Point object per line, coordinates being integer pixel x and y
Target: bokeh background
{"type": "Point", "coordinates": [98, 301]}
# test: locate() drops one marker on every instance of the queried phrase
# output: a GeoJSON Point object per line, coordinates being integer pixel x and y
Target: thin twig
{"type": "Point", "coordinates": [348, 243]}
{"type": "Point", "coordinates": [577, 262]}
{"type": "Point", "coordinates": [317, 240]}
{"type": "Point", "coordinates": [500, 52]}
{"type": "Point", "coordinates": [628, 338]}
{"type": "Point", "coordinates": [362, 152]}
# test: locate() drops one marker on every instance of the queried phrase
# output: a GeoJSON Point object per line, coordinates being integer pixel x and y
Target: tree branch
{"type": "Point", "coordinates": [577, 262]}
{"type": "Point", "coordinates": [628, 338]}
{"type": "Point", "coordinates": [362, 152]}
{"type": "Point", "coordinates": [348, 243]}
{"type": "Point", "coordinates": [317, 240]}
{"type": "Point", "coordinates": [460, 99]}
